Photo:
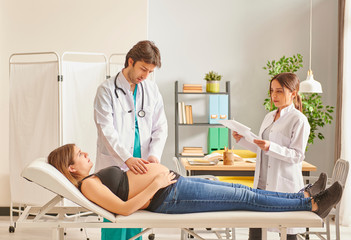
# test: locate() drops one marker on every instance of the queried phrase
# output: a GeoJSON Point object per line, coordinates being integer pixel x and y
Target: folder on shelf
{"type": "Point", "coordinates": [212, 140]}
{"type": "Point", "coordinates": [223, 138]}
{"type": "Point", "coordinates": [217, 139]}
{"type": "Point", "coordinates": [223, 107]}
{"type": "Point", "coordinates": [213, 109]}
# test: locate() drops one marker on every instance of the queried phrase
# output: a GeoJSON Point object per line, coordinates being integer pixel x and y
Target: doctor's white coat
{"type": "Point", "coordinates": [115, 122]}
{"type": "Point", "coordinates": [288, 139]}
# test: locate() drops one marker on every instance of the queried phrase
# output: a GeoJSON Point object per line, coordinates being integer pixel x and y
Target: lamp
{"type": "Point", "coordinates": [310, 85]}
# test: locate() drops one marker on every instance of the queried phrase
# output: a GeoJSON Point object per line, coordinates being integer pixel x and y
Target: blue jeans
{"type": "Point", "coordinates": [190, 195]}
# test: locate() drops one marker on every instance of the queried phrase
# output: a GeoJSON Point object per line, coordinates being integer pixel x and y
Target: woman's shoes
{"type": "Point", "coordinates": [327, 199]}
{"type": "Point", "coordinates": [318, 186]}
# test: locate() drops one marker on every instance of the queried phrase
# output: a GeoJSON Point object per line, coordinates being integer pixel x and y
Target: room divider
{"type": "Point", "coordinates": [51, 104]}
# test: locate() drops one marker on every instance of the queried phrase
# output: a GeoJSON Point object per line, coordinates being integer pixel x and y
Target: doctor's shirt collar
{"type": "Point", "coordinates": [287, 109]}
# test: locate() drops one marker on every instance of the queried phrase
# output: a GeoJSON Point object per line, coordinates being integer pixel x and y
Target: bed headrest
{"type": "Point", "coordinates": [42, 173]}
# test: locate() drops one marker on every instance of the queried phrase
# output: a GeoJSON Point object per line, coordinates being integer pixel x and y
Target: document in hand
{"type": "Point", "coordinates": [240, 129]}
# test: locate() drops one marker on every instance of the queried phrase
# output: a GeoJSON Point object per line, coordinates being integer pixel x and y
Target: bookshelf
{"type": "Point", "coordinates": [179, 95]}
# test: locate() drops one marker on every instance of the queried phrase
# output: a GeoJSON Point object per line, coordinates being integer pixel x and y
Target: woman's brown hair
{"type": "Point", "coordinates": [61, 158]}
{"type": "Point", "coordinates": [292, 82]}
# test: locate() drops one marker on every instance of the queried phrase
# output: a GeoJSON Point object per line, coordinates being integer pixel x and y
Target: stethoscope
{"type": "Point", "coordinates": [141, 112]}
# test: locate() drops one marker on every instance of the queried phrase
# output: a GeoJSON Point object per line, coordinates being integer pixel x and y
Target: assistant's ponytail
{"type": "Point", "coordinates": [298, 102]}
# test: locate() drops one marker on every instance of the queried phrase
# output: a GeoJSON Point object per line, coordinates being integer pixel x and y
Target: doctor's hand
{"type": "Point", "coordinates": [237, 136]}
{"type": "Point", "coordinates": [263, 144]}
{"type": "Point", "coordinates": [153, 159]}
{"type": "Point", "coordinates": [137, 165]}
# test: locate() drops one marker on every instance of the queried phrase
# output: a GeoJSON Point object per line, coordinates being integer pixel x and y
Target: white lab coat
{"type": "Point", "coordinates": [116, 125]}
{"type": "Point", "coordinates": [288, 139]}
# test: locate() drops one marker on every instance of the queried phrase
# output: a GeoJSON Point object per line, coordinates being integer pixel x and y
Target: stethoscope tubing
{"type": "Point", "coordinates": [141, 112]}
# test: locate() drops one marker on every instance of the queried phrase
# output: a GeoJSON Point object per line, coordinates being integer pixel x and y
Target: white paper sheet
{"type": "Point", "coordinates": [240, 129]}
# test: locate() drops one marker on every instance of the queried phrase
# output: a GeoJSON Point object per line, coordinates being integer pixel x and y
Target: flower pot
{"type": "Point", "coordinates": [212, 86]}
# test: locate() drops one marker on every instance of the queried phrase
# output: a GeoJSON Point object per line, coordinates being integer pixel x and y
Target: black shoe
{"type": "Point", "coordinates": [327, 199]}
{"type": "Point", "coordinates": [318, 186]}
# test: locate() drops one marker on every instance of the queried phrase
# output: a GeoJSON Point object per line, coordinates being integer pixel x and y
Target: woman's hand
{"type": "Point", "coordinates": [236, 136]}
{"type": "Point", "coordinates": [165, 179]}
{"type": "Point", "coordinates": [263, 144]}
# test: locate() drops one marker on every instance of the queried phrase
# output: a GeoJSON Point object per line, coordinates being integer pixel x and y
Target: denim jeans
{"type": "Point", "coordinates": [190, 195]}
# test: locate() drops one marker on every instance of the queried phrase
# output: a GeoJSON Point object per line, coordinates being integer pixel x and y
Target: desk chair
{"type": "Point", "coordinates": [340, 172]}
{"type": "Point", "coordinates": [181, 171]}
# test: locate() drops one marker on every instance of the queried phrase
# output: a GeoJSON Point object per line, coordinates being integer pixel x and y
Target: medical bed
{"type": "Point", "coordinates": [57, 217]}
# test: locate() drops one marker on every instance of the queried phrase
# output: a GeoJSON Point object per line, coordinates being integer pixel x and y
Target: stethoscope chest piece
{"type": "Point", "coordinates": [141, 113]}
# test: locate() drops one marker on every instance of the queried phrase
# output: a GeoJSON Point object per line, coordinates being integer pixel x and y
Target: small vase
{"type": "Point", "coordinates": [212, 86]}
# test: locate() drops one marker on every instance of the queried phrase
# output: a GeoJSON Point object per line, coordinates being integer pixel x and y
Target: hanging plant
{"type": "Point", "coordinates": [317, 114]}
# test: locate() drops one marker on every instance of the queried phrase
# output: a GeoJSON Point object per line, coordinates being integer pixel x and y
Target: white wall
{"type": "Point", "coordinates": [107, 26]}
{"type": "Point", "coordinates": [236, 38]}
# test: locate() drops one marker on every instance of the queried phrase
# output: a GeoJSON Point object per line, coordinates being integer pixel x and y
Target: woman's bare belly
{"type": "Point", "coordinates": [138, 182]}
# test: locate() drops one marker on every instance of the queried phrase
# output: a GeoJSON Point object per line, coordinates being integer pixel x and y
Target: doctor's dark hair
{"type": "Point", "coordinates": [144, 51]}
{"type": "Point", "coordinates": [292, 82]}
{"type": "Point", "coordinates": [61, 158]}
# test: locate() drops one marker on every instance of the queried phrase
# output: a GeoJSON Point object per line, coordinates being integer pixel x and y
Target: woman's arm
{"type": "Point", "coordinates": [98, 193]}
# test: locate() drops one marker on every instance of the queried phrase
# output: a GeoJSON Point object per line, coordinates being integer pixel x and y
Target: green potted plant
{"type": "Point", "coordinates": [317, 114]}
{"type": "Point", "coordinates": [212, 79]}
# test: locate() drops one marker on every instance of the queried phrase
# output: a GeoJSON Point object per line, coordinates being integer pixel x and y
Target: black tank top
{"type": "Point", "coordinates": [115, 179]}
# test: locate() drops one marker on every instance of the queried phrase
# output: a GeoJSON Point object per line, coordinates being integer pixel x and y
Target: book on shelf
{"type": "Point", "coordinates": [185, 113]}
{"type": "Point", "coordinates": [192, 154]}
{"type": "Point", "coordinates": [180, 113]}
{"type": "Point", "coordinates": [192, 151]}
{"type": "Point", "coordinates": [193, 148]}
{"type": "Point", "coordinates": [191, 114]}
{"type": "Point", "coordinates": [192, 88]}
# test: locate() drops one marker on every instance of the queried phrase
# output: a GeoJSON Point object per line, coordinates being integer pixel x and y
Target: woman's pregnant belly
{"type": "Point", "coordinates": [138, 182]}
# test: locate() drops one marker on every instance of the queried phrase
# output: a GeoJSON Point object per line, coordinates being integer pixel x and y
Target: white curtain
{"type": "Point", "coordinates": [345, 218]}
{"type": "Point", "coordinates": [34, 125]}
{"type": "Point", "coordinates": [80, 82]}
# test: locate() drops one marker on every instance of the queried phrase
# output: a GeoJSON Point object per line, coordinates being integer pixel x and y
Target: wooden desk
{"type": "Point", "coordinates": [238, 169]}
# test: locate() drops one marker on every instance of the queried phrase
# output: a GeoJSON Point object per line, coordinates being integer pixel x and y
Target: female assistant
{"type": "Point", "coordinates": [281, 150]}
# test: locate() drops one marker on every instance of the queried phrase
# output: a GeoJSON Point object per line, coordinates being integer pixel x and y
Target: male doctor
{"type": "Point", "coordinates": [130, 119]}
